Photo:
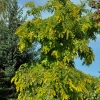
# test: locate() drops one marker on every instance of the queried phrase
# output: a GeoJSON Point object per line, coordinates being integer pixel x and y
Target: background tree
{"type": "Point", "coordinates": [10, 57]}
{"type": "Point", "coordinates": [3, 14]}
{"type": "Point", "coordinates": [64, 36]}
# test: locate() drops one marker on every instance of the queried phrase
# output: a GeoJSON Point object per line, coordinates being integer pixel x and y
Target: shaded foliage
{"type": "Point", "coordinates": [10, 57]}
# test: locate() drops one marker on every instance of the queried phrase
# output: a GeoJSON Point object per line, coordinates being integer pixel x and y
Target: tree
{"type": "Point", "coordinates": [95, 5]}
{"type": "Point", "coordinates": [3, 13]}
{"type": "Point", "coordinates": [10, 57]}
{"type": "Point", "coordinates": [64, 36]}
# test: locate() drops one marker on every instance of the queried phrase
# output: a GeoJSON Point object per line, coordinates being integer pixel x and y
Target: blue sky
{"type": "Point", "coordinates": [94, 67]}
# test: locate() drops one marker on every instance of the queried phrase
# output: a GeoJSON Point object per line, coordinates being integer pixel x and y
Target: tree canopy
{"type": "Point", "coordinates": [64, 36]}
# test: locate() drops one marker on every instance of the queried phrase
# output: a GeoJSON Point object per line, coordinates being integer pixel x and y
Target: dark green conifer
{"type": "Point", "coordinates": [10, 57]}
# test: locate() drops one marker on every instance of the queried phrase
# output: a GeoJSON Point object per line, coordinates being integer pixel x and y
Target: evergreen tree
{"type": "Point", "coordinates": [10, 57]}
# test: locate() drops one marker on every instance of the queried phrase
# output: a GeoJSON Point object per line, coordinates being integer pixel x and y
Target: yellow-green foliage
{"type": "Point", "coordinates": [64, 36]}
{"type": "Point", "coordinates": [59, 82]}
